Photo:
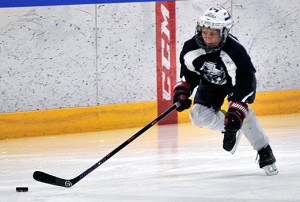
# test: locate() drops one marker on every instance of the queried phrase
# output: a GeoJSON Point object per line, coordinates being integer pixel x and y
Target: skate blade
{"type": "Point", "coordinates": [237, 141]}
{"type": "Point", "coordinates": [271, 169]}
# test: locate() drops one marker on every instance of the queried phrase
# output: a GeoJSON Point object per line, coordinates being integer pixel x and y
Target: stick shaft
{"type": "Point", "coordinates": [124, 144]}
{"type": "Point", "coordinates": [50, 179]}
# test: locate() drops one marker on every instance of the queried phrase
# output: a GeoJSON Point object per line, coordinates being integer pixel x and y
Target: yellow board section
{"type": "Point", "coordinates": [76, 120]}
{"type": "Point", "coordinates": [278, 102]}
{"type": "Point", "coordinates": [119, 116]}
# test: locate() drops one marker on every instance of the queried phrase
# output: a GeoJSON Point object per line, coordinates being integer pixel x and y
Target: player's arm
{"type": "Point", "coordinates": [244, 90]}
{"type": "Point", "coordinates": [184, 88]}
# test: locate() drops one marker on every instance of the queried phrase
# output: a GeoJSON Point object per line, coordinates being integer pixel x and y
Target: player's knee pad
{"type": "Point", "coordinates": [202, 116]}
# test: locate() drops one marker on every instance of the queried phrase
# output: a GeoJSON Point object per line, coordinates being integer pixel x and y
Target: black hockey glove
{"type": "Point", "coordinates": [235, 116]}
{"type": "Point", "coordinates": [181, 94]}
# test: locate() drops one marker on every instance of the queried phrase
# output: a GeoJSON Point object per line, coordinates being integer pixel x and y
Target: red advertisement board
{"type": "Point", "coordinates": [166, 57]}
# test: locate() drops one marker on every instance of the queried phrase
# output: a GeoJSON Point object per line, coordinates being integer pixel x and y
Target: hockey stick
{"type": "Point", "coordinates": [50, 179]}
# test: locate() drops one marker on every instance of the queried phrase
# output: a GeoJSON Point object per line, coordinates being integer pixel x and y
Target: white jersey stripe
{"type": "Point", "coordinates": [246, 97]}
{"type": "Point", "coordinates": [190, 57]}
{"type": "Point", "coordinates": [230, 65]}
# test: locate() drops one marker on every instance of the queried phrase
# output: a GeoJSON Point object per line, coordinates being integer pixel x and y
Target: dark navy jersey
{"type": "Point", "coordinates": [229, 70]}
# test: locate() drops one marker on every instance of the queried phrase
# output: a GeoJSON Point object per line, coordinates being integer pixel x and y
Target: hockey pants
{"type": "Point", "coordinates": [205, 117]}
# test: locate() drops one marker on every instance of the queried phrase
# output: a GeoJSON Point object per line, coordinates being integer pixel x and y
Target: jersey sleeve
{"type": "Point", "coordinates": [243, 79]}
{"type": "Point", "coordinates": [186, 74]}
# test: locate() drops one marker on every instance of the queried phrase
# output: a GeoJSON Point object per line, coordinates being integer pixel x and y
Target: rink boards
{"type": "Point", "coordinates": [110, 117]}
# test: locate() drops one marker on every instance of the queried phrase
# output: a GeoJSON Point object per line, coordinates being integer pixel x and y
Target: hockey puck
{"type": "Point", "coordinates": [22, 189]}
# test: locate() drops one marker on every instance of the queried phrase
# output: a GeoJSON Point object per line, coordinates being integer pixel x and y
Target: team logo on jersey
{"type": "Point", "coordinates": [212, 74]}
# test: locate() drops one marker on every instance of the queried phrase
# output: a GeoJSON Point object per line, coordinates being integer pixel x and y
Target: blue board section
{"type": "Point", "coordinates": [29, 3]}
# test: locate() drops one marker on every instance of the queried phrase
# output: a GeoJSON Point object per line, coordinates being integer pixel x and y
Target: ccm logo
{"type": "Point", "coordinates": [165, 54]}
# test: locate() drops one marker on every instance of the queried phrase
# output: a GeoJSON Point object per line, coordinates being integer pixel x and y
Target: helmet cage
{"type": "Point", "coordinates": [210, 49]}
{"type": "Point", "coordinates": [213, 18]}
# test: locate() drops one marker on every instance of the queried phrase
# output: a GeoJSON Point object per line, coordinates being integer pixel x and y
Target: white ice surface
{"type": "Point", "coordinates": [166, 163]}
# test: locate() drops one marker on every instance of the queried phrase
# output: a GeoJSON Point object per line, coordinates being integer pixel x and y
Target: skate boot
{"type": "Point", "coordinates": [267, 161]}
{"type": "Point", "coordinates": [229, 140]}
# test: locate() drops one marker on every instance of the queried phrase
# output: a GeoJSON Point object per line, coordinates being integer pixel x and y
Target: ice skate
{"type": "Point", "coordinates": [229, 141]}
{"type": "Point", "coordinates": [237, 141]}
{"type": "Point", "coordinates": [267, 161]}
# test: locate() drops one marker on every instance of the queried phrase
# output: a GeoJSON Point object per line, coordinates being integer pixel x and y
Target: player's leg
{"type": "Point", "coordinates": [206, 110]}
{"type": "Point", "coordinates": [260, 142]}
{"type": "Point", "coordinates": [254, 132]}
{"type": "Point", "coordinates": [205, 117]}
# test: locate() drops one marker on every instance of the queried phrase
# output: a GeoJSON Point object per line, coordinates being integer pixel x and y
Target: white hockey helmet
{"type": "Point", "coordinates": [214, 18]}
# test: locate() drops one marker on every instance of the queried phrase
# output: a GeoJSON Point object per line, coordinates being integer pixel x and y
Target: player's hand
{"type": "Point", "coordinates": [181, 95]}
{"type": "Point", "coordinates": [235, 116]}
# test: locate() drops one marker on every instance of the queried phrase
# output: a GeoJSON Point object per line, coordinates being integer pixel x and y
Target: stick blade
{"type": "Point", "coordinates": [50, 179]}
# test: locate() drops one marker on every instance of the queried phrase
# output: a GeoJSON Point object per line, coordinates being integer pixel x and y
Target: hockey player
{"type": "Point", "coordinates": [219, 65]}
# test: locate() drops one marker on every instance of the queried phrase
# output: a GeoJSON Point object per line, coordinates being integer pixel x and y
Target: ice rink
{"type": "Point", "coordinates": [166, 163]}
